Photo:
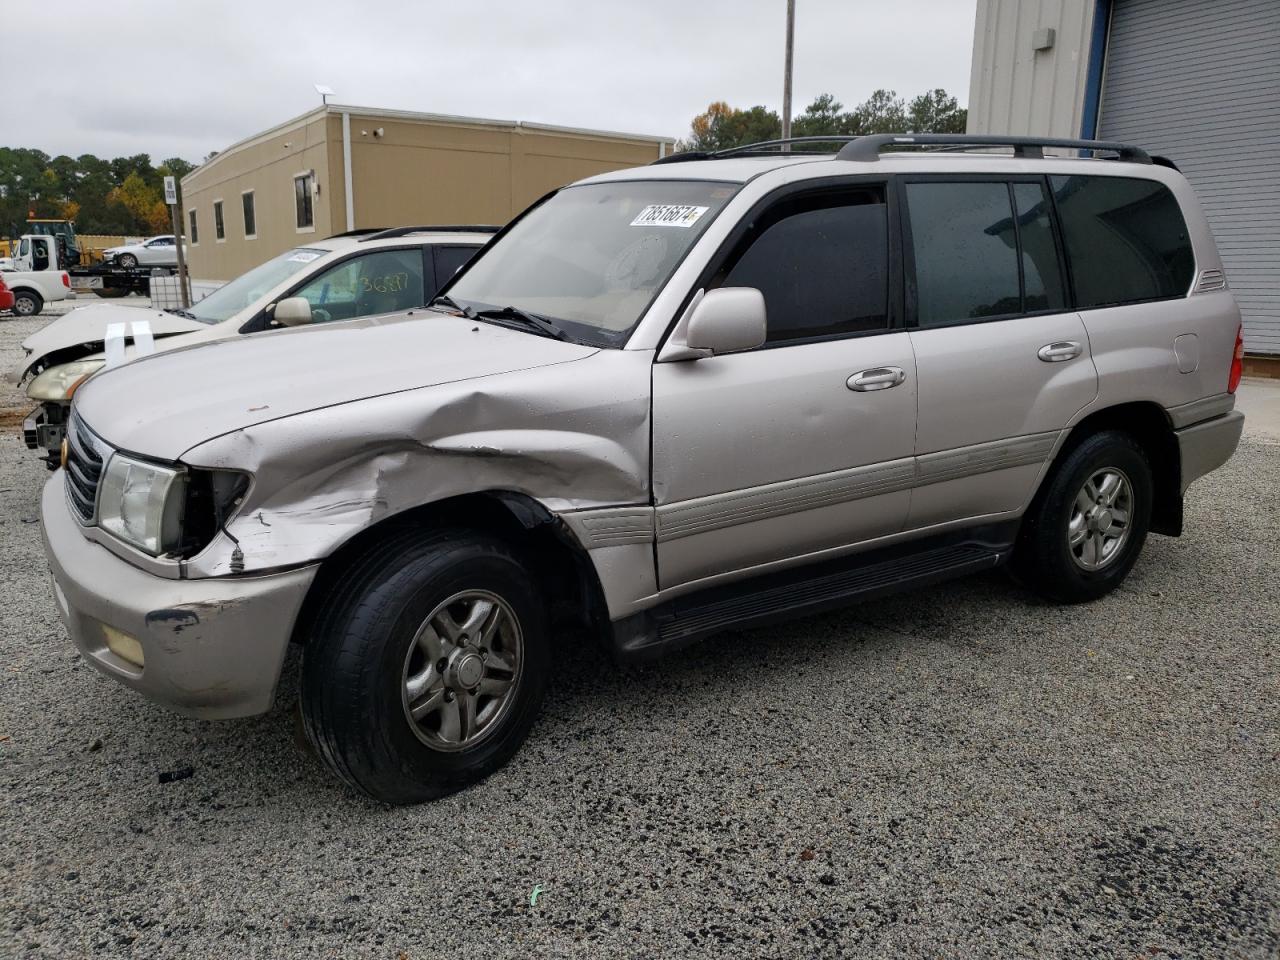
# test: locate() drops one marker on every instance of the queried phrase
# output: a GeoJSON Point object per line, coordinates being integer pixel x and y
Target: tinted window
{"type": "Point", "coordinates": [822, 264]}
{"type": "Point", "coordinates": [381, 282]}
{"type": "Point", "coordinates": [195, 233]}
{"type": "Point", "coordinates": [1043, 288]}
{"type": "Point", "coordinates": [302, 187]}
{"type": "Point", "coordinates": [965, 249]}
{"type": "Point", "coordinates": [449, 260]}
{"type": "Point", "coordinates": [250, 215]}
{"type": "Point", "coordinates": [1125, 238]}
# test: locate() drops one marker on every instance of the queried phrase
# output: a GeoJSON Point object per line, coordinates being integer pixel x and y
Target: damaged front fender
{"type": "Point", "coordinates": [571, 437]}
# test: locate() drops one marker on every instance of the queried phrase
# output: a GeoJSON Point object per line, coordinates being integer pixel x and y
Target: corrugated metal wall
{"type": "Point", "coordinates": [1200, 83]}
{"type": "Point", "coordinates": [1014, 88]}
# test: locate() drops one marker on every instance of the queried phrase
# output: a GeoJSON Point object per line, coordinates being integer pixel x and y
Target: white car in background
{"type": "Point", "coordinates": [161, 251]}
{"type": "Point", "coordinates": [353, 275]}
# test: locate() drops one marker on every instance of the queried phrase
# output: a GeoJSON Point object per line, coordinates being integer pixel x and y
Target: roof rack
{"type": "Point", "coordinates": [748, 148]}
{"type": "Point", "coordinates": [361, 232]}
{"type": "Point", "coordinates": [447, 228]}
{"type": "Point", "coordinates": [868, 148]}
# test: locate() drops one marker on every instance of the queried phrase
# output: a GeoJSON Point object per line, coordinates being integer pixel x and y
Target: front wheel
{"type": "Point", "coordinates": [27, 303]}
{"type": "Point", "coordinates": [127, 260]}
{"type": "Point", "coordinates": [426, 665]}
{"type": "Point", "coordinates": [1086, 527]}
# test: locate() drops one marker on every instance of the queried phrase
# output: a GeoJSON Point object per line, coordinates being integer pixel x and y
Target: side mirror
{"type": "Point", "coordinates": [292, 312]}
{"type": "Point", "coordinates": [727, 320]}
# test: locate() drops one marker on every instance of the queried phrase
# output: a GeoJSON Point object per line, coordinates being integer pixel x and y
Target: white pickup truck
{"type": "Point", "coordinates": [35, 275]}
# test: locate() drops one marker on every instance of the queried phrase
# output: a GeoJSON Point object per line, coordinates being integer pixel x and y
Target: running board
{"type": "Point", "coordinates": [760, 600]}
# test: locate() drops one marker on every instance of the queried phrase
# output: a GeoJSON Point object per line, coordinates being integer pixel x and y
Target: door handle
{"type": "Point", "coordinates": [876, 378]}
{"type": "Point", "coordinates": [1060, 350]}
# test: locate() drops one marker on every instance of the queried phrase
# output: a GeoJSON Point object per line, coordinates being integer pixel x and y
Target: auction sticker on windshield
{"type": "Point", "coordinates": [668, 215]}
{"type": "Point", "coordinates": [306, 256]}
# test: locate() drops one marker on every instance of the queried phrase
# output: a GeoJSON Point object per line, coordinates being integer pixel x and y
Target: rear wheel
{"type": "Point", "coordinates": [27, 303]}
{"type": "Point", "coordinates": [1083, 533]}
{"type": "Point", "coordinates": [111, 293]}
{"type": "Point", "coordinates": [426, 666]}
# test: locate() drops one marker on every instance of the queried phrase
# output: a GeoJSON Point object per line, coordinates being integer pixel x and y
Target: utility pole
{"type": "Point", "coordinates": [171, 198]}
{"type": "Point", "coordinates": [786, 78]}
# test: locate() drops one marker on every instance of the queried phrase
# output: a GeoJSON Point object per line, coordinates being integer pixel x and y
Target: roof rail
{"type": "Point", "coordinates": [748, 148]}
{"type": "Point", "coordinates": [446, 228]}
{"type": "Point", "coordinates": [361, 232]}
{"type": "Point", "coordinates": [868, 148]}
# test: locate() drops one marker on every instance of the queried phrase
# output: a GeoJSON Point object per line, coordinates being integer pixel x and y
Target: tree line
{"type": "Point", "coordinates": [124, 196]}
{"type": "Point", "coordinates": [721, 126]}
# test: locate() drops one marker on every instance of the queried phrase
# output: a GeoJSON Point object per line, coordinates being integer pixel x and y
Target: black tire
{"type": "Point", "coordinates": [355, 660]}
{"type": "Point", "coordinates": [1043, 559]}
{"type": "Point", "coordinates": [27, 303]}
{"type": "Point", "coordinates": [127, 260]}
{"type": "Point", "coordinates": [111, 293]}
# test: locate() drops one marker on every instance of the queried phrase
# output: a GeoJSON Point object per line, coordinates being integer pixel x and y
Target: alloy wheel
{"type": "Point", "coordinates": [1100, 519]}
{"type": "Point", "coordinates": [462, 670]}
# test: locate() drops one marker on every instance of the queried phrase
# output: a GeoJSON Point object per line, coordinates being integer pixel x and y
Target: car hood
{"type": "Point", "coordinates": [87, 327]}
{"type": "Point", "coordinates": [163, 405]}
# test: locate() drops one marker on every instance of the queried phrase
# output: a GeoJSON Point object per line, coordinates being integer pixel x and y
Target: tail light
{"type": "Point", "coordinates": [66, 281]}
{"type": "Point", "coordinates": [1237, 362]}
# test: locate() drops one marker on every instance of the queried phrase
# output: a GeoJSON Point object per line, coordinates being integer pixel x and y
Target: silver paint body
{"type": "Point", "coordinates": [673, 473]}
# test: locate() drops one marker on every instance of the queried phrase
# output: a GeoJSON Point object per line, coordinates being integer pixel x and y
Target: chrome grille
{"type": "Point", "coordinates": [85, 457]}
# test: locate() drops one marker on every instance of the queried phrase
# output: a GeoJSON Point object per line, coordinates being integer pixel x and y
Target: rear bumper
{"type": "Point", "coordinates": [1206, 446]}
{"type": "Point", "coordinates": [211, 648]}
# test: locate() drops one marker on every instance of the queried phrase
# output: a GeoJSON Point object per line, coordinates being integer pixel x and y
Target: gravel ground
{"type": "Point", "coordinates": [965, 772]}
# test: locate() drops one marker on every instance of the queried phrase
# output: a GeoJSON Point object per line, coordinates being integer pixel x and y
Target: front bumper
{"type": "Point", "coordinates": [1206, 446]}
{"type": "Point", "coordinates": [211, 648]}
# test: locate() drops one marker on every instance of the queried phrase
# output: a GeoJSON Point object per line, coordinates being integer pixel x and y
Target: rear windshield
{"type": "Point", "coordinates": [229, 299]}
{"type": "Point", "coordinates": [593, 257]}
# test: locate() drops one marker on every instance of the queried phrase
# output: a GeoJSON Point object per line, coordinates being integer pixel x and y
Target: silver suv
{"type": "Point", "coordinates": [663, 402]}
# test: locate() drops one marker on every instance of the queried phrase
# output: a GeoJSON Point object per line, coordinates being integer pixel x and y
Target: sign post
{"type": "Point", "coordinates": [171, 198]}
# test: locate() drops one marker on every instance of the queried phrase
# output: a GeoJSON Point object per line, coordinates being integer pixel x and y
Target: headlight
{"type": "Point", "coordinates": [142, 503]}
{"type": "Point", "coordinates": [60, 382]}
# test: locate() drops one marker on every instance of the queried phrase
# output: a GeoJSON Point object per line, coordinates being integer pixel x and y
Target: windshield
{"type": "Point", "coordinates": [593, 257]}
{"type": "Point", "coordinates": [231, 298]}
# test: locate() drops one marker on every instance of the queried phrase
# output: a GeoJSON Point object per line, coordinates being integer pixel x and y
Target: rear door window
{"type": "Point", "coordinates": [965, 251]}
{"type": "Point", "coordinates": [982, 250]}
{"type": "Point", "coordinates": [822, 264]}
{"type": "Point", "coordinates": [1126, 239]}
{"type": "Point", "coordinates": [449, 260]}
{"type": "Point", "coordinates": [1043, 287]}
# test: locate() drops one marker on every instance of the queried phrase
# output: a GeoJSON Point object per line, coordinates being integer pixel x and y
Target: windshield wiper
{"type": "Point", "coordinates": [542, 324]}
{"type": "Point", "coordinates": [181, 313]}
{"type": "Point", "coordinates": [446, 301]}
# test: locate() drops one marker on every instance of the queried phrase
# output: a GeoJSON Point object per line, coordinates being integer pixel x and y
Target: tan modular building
{"type": "Point", "coordinates": [343, 168]}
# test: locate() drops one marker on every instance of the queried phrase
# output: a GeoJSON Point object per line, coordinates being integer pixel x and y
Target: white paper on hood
{"type": "Point", "coordinates": [114, 344]}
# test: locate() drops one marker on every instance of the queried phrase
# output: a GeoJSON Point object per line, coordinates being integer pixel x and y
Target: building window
{"type": "Point", "coordinates": [195, 232]}
{"type": "Point", "coordinates": [250, 219]}
{"type": "Point", "coordinates": [219, 228]}
{"type": "Point", "coordinates": [303, 188]}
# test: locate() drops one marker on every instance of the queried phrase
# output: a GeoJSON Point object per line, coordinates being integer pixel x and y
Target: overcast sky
{"type": "Point", "coordinates": [104, 81]}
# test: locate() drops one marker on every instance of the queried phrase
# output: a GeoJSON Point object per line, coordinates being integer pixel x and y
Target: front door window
{"type": "Point", "coordinates": [385, 281]}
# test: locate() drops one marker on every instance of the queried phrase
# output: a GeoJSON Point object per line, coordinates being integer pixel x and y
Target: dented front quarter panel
{"type": "Point", "coordinates": [573, 436]}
